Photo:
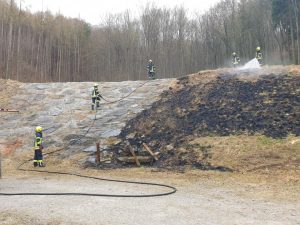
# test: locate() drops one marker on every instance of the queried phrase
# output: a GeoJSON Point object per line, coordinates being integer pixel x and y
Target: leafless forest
{"type": "Point", "coordinates": [43, 47]}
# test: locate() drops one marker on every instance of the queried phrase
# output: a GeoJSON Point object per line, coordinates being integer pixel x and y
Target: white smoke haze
{"type": "Point", "coordinates": [253, 64]}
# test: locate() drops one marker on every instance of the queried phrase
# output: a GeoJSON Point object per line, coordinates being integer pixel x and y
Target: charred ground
{"type": "Point", "coordinates": [215, 104]}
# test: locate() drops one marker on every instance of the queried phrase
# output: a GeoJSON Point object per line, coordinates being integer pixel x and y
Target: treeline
{"type": "Point", "coordinates": [43, 47]}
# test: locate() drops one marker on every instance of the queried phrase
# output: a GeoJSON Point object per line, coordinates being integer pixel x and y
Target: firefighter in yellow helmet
{"type": "Point", "coordinates": [38, 147]}
{"type": "Point", "coordinates": [235, 59]}
{"type": "Point", "coordinates": [96, 96]}
{"type": "Point", "coordinates": [258, 55]}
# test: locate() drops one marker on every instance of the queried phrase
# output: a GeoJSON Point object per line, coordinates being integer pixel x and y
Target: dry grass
{"type": "Point", "coordinates": [294, 70]}
{"type": "Point", "coordinates": [8, 88]}
{"type": "Point", "coordinates": [269, 166]}
{"type": "Point", "coordinates": [10, 218]}
{"type": "Point", "coordinates": [239, 152]}
{"type": "Point", "coordinates": [250, 153]}
{"type": "Point", "coordinates": [10, 147]}
{"type": "Point", "coordinates": [23, 218]}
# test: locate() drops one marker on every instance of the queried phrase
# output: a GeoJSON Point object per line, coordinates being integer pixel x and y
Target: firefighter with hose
{"type": "Point", "coordinates": [259, 56]}
{"type": "Point", "coordinates": [96, 96]}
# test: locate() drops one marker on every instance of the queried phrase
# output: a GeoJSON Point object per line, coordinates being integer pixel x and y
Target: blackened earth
{"type": "Point", "coordinates": [226, 106]}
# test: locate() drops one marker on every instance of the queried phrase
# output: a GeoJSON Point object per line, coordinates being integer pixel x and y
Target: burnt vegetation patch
{"type": "Point", "coordinates": [226, 106]}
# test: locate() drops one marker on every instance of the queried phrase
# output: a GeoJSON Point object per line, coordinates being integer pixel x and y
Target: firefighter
{"type": "Point", "coordinates": [151, 70]}
{"type": "Point", "coordinates": [38, 147]}
{"type": "Point", "coordinates": [235, 60]}
{"type": "Point", "coordinates": [96, 97]}
{"type": "Point", "coordinates": [259, 56]}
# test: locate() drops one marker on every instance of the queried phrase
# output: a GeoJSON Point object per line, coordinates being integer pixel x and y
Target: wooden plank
{"type": "Point", "coordinates": [9, 110]}
{"type": "Point", "coordinates": [134, 156]}
{"type": "Point", "coordinates": [98, 160]}
{"type": "Point", "coordinates": [142, 159]}
{"type": "Point", "coordinates": [150, 151]}
{"type": "Point", "coordinates": [0, 164]}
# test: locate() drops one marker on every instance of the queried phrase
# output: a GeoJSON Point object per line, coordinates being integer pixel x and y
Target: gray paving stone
{"type": "Point", "coordinates": [65, 108]}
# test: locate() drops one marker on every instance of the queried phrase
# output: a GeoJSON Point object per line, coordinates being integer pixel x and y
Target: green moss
{"type": "Point", "coordinates": [264, 140]}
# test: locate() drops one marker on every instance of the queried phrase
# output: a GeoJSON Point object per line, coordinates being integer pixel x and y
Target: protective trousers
{"type": "Point", "coordinates": [38, 158]}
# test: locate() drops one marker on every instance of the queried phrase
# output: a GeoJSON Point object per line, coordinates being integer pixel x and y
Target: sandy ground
{"type": "Point", "coordinates": [202, 198]}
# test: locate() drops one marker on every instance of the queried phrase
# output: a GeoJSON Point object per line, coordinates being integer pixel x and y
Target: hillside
{"type": "Point", "coordinates": [228, 140]}
{"type": "Point", "coordinates": [226, 120]}
{"type": "Point", "coordinates": [64, 111]}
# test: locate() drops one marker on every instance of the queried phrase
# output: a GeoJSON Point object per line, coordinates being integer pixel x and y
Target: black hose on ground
{"type": "Point", "coordinates": [172, 189]}
{"type": "Point", "coordinates": [126, 96]}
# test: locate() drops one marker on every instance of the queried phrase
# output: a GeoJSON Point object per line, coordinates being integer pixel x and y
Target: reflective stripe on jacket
{"type": "Point", "coordinates": [259, 55]}
{"type": "Point", "coordinates": [95, 93]}
{"type": "Point", "coordinates": [236, 60]}
{"type": "Point", "coordinates": [151, 67]}
{"type": "Point", "coordinates": [38, 143]}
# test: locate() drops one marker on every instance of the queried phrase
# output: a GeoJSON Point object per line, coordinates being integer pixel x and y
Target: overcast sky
{"type": "Point", "coordinates": [93, 10]}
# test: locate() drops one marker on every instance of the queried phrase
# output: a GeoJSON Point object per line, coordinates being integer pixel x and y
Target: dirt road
{"type": "Point", "coordinates": [199, 200]}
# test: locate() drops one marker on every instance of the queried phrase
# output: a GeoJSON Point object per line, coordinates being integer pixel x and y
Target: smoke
{"type": "Point", "coordinates": [252, 70]}
{"type": "Point", "coordinates": [253, 64]}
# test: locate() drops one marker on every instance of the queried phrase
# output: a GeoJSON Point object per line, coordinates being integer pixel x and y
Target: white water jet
{"type": "Point", "coordinates": [253, 64]}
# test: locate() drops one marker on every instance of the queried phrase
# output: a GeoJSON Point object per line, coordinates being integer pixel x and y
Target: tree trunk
{"type": "Point", "coordinates": [292, 35]}
{"type": "Point", "coordinates": [7, 75]}
{"type": "Point", "coordinates": [296, 13]}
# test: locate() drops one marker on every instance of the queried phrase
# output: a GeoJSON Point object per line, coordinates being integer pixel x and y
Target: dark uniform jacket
{"type": "Point", "coordinates": [38, 144]}
{"type": "Point", "coordinates": [151, 68]}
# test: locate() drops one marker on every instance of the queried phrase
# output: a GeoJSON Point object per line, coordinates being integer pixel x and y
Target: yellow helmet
{"type": "Point", "coordinates": [38, 129]}
{"type": "Point", "coordinates": [258, 49]}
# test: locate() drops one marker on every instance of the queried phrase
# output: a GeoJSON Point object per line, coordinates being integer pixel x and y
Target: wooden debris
{"type": "Point", "coordinates": [9, 110]}
{"type": "Point", "coordinates": [0, 165]}
{"type": "Point", "coordinates": [134, 156]}
{"type": "Point", "coordinates": [154, 155]}
{"type": "Point", "coordinates": [141, 159]}
{"type": "Point", "coordinates": [98, 160]}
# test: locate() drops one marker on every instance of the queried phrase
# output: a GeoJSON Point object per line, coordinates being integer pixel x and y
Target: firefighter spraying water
{"type": "Point", "coordinates": [259, 56]}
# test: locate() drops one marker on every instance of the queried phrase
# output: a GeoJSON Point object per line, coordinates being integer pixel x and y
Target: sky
{"type": "Point", "coordinates": [93, 10]}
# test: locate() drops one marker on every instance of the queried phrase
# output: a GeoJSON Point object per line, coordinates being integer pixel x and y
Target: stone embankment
{"type": "Point", "coordinates": [64, 111]}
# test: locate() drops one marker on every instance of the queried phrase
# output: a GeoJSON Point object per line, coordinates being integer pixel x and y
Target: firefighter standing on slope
{"type": "Point", "coordinates": [38, 147]}
{"type": "Point", "coordinates": [235, 60]}
{"type": "Point", "coordinates": [96, 97]}
{"type": "Point", "coordinates": [151, 70]}
{"type": "Point", "coordinates": [258, 55]}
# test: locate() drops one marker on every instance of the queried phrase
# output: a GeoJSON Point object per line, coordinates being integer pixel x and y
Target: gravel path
{"type": "Point", "coordinates": [196, 203]}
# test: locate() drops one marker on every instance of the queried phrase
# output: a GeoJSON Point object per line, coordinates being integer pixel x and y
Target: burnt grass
{"type": "Point", "coordinates": [225, 106]}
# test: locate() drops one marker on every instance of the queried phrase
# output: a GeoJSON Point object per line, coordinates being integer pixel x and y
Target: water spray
{"type": "Point", "coordinates": [253, 64]}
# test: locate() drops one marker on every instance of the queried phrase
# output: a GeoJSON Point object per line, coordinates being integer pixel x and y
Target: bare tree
{"type": "Point", "coordinates": [42, 47]}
